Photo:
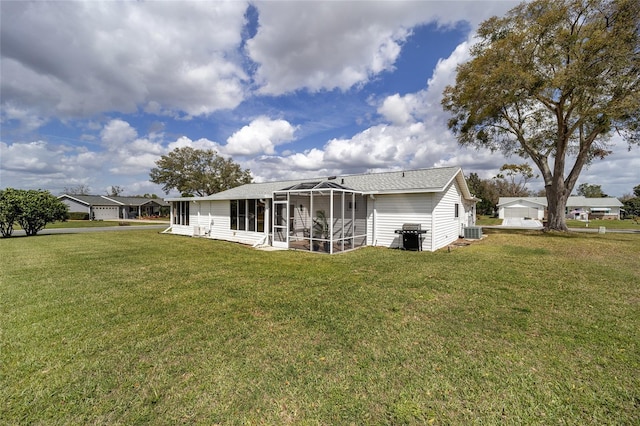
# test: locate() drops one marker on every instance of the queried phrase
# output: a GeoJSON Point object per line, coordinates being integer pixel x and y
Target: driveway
{"type": "Point", "coordinates": [519, 223]}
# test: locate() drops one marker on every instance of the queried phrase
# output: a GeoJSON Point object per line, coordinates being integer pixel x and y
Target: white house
{"type": "Point", "coordinates": [334, 214]}
{"type": "Point", "coordinates": [578, 207]}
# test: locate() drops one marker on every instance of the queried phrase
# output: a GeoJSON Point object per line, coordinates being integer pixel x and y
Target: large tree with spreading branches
{"type": "Point", "coordinates": [198, 172]}
{"type": "Point", "coordinates": [552, 81]}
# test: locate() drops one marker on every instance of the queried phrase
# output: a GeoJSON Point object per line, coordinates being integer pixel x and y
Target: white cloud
{"type": "Point", "coordinates": [42, 165]}
{"type": "Point", "coordinates": [340, 45]}
{"type": "Point", "coordinates": [202, 143]}
{"type": "Point", "coordinates": [413, 134]}
{"type": "Point", "coordinates": [261, 136]}
{"type": "Point", "coordinates": [314, 45]}
{"type": "Point", "coordinates": [72, 59]}
{"type": "Point", "coordinates": [117, 133]}
{"type": "Point", "coordinates": [63, 60]}
{"type": "Point", "coordinates": [182, 59]}
{"type": "Point", "coordinates": [398, 109]}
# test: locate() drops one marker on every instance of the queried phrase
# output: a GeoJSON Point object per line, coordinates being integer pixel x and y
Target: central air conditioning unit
{"type": "Point", "coordinates": [473, 233]}
{"type": "Point", "coordinates": [197, 231]}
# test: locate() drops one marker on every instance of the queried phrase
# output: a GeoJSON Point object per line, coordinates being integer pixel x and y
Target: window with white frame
{"type": "Point", "coordinates": [247, 215]}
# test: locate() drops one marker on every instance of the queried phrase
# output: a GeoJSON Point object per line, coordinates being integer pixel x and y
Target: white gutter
{"type": "Point", "coordinates": [373, 220]}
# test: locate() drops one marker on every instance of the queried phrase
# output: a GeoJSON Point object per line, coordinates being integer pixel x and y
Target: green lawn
{"type": "Point", "coordinates": [100, 223]}
{"type": "Point", "coordinates": [609, 224]}
{"type": "Point", "coordinates": [140, 327]}
{"type": "Point", "coordinates": [95, 224]}
{"type": "Point", "coordinates": [488, 221]}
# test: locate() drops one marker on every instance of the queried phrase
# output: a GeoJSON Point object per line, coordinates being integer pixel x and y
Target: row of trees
{"type": "Point", "coordinates": [511, 181]}
{"type": "Point", "coordinates": [114, 191]}
{"type": "Point", "coordinates": [632, 202]}
{"type": "Point", "coordinates": [31, 209]}
{"type": "Point", "coordinates": [82, 189]}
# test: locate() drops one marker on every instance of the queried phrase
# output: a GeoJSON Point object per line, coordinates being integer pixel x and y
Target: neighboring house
{"type": "Point", "coordinates": [593, 208]}
{"type": "Point", "coordinates": [102, 207]}
{"type": "Point", "coordinates": [333, 214]}
{"type": "Point", "coordinates": [578, 207]}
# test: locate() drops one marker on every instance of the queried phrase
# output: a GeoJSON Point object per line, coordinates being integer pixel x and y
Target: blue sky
{"type": "Point", "coordinates": [93, 93]}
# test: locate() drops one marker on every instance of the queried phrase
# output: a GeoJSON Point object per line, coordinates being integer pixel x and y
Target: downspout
{"type": "Point", "coordinates": [373, 220]}
{"type": "Point", "coordinates": [433, 222]}
{"type": "Point", "coordinates": [261, 241]}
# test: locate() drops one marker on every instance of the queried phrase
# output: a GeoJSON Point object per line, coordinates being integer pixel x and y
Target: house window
{"type": "Point", "coordinates": [260, 210]}
{"type": "Point", "coordinates": [242, 215]}
{"type": "Point", "coordinates": [247, 215]}
{"type": "Point", "coordinates": [181, 213]}
{"type": "Point", "coordinates": [251, 216]}
{"type": "Point", "coordinates": [233, 214]}
{"type": "Point", "coordinates": [456, 212]}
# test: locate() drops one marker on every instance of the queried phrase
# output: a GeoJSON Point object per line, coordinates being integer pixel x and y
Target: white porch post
{"type": "Point", "coordinates": [331, 221]}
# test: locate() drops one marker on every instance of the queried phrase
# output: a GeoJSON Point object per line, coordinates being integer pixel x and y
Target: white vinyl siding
{"type": "Point", "coordinates": [211, 219]}
{"type": "Point", "coordinates": [75, 206]}
{"type": "Point", "coordinates": [394, 210]}
{"type": "Point", "coordinates": [448, 227]}
{"type": "Point", "coordinates": [384, 209]}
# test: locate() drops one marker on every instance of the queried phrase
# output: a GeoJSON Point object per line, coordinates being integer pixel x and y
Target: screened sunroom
{"type": "Point", "coordinates": [319, 216]}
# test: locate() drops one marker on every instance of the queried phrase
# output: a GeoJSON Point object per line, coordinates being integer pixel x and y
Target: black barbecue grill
{"type": "Point", "coordinates": [411, 236]}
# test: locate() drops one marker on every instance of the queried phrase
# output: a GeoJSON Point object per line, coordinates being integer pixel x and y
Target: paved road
{"type": "Point", "coordinates": [521, 223]}
{"type": "Point", "coordinates": [515, 223]}
{"type": "Point", "coordinates": [20, 232]}
{"type": "Point", "coordinates": [607, 230]}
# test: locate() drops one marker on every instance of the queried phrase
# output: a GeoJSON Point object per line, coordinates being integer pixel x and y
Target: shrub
{"type": "Point", "coordinates": [32, 209]}
{"type": "Point", "coordinates": [78, 216]}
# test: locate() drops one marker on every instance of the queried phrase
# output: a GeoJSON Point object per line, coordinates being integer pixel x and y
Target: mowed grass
{"type": "Point", "coordinates": [99, 223]}
{"type": "Point", "coordinates": [627, 224]}
{"type": "Point", "coordinates": [139, 327]}
{"type": "Point", "coordinates": [608, 224]}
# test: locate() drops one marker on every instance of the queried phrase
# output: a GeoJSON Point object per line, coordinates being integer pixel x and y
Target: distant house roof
{"type": "Point", "coordinates": [572, 202]}
{"type": "Point", "coordinates": [422, 180]}
{"type": "Point", "coordinates": [138, 201]}
{"type": "Point", "coordinates": [91, 200]}
{"type": "Point", "coordinates": [103, 200]}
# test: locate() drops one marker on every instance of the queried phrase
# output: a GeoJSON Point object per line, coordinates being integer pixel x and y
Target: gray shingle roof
{"type": "Point", "coordinates": [92, 200]}
{"type": "Point", "coordinates": [422, 180]}
{"type": "Point", "coordinates": [137, 201]}
{"type": "Point", "coordinates": [103, 200]}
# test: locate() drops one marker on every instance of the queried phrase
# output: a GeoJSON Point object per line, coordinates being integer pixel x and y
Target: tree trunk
{"type": "Point", "coordinates": [556, 206]}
